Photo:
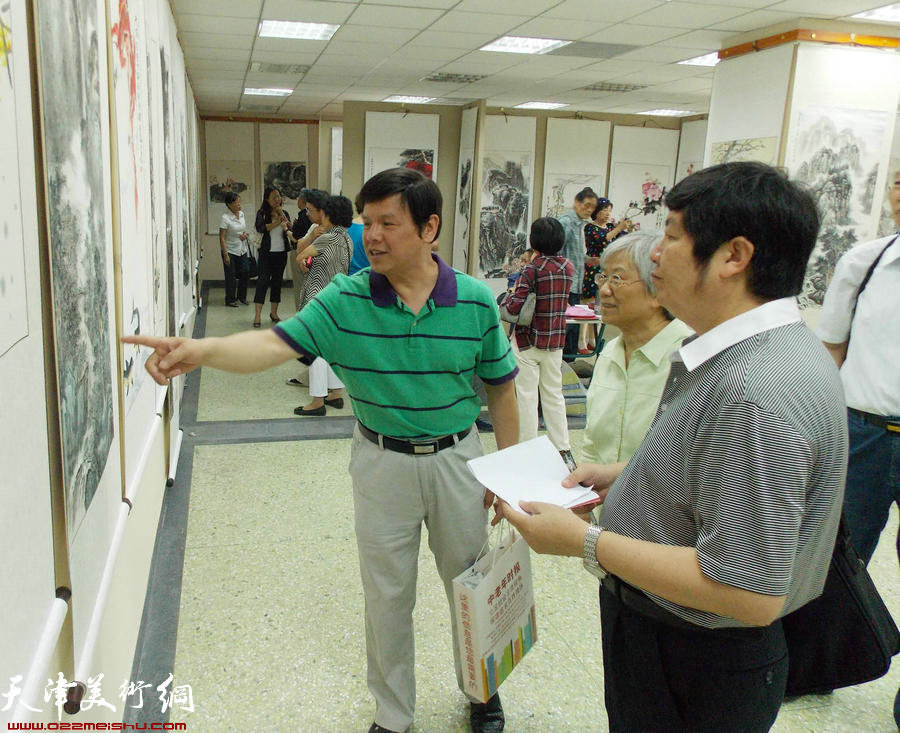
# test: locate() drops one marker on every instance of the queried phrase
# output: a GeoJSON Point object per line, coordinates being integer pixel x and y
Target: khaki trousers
{"type": "Point", "coordinates": [393, 494]}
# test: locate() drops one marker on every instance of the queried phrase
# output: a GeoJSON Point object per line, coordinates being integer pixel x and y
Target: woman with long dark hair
{"type": "Point", "coordinates": [275, 227]}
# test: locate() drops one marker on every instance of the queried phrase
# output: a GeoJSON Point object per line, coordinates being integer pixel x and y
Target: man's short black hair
{"type": "Point", "coordinates": [315, 196]}
{"type": "Point", "coordinates": [547, 235]}
{"type": "Point", "coordinates": [418, 193]}
{"type": "Point", "coordinates": [339, 210]}
{"type": "Point", "coordinates": [585, 193]}
{"type": "Point", "coordinates": [760, 203]}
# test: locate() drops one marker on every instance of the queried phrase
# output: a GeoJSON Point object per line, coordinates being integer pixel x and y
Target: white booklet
{"type": "Point", "coordinates": [529, 471]}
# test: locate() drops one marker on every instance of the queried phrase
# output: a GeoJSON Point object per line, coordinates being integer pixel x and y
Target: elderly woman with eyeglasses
{"type": "Point", "coordinates": [631, 371]}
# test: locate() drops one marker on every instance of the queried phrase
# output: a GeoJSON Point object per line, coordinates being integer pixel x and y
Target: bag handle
{"type": "Point", "coordinates": [485, 548]}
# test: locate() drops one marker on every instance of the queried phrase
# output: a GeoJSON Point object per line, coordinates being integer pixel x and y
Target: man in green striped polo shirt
{"type": "Point", "coordinates": [406, 337]}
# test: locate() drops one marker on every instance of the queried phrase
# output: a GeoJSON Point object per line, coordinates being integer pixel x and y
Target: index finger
{"type": "Point", "coordinates": [144, 340]}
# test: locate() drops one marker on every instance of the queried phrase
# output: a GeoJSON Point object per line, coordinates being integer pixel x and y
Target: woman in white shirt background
{"type": "Point", "coordinates": [233, 243]}
{"type": "Point", "coordinates": [631, 371]}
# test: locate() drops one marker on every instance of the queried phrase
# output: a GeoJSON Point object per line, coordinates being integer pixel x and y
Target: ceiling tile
{"type": "Point", "coordinates": [280, 57]}
{"type": "Point", "coordinates": [630, 33]}
{"type": "Point", "coordinates": [289, 45]}
{"type": "Point", "coordinates": [223, 42]}
{"type": "Point", "coordinates": [485, 22]}
{"type": "Point", "coordinates": [752, 20]}
{"type": "Point", "coordinates": [357, 49]}
{"type": "Point", "coordinates": [225, 8]}
{"type": "Point", "coordinates": [391, 16]}
{"type": "Point", "coordinates": [424, 53]}
{"type": "Point", "coordinates": [220, 54]}
{"type": "Point", "coordinates": [705, 40]}
{"type": "Point", "coordinates": [281, 81]}
{"type": "Point", "coordinates": [609, 11]}
{"type": "Point", "coordinates": [529, 7]}
{"type": "Point", "coordinates": [414, 3]}
{"type": "Point", "coordinates": [446, 39]}
{"type": "Point", "coordinates": [198, 66]}
{"type": "Point", "coordinates": [203, 77]}
{"type": "Point", "coordinates": [827, 8]}
{"type": "Point", "coordinates": [190, 23]}
{"type": "Point", "coordinates": [567, 30]}
{"type": "Point", "coordinates": [659, 54]}
{"type": "Point", "coordinates": [483, 62]}
{"type": "Point", "coordinates": [679, 14]}
{"type": "Point", "coordinates": [393, 37]}
{"type": "Point", "coordinates": [311, 11]}
{"type": "Point", "coordinates": [654, 74]}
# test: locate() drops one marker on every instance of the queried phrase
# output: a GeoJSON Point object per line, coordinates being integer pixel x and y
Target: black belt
{"type": "Point", "coordinates": [891, 424]}
{"type": "Point", "coordinates": [415, 447]}
{"type": "Point", "coordinates": [637, 601]}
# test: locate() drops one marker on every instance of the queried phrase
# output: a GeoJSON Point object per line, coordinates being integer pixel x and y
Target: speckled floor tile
{"type": "Point", "coordinates": [262, 396]}
{"type": "Point", "coordinates": [271, 622]}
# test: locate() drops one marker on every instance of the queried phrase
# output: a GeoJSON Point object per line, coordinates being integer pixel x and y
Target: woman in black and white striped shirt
{"type": "Point", "coordinates": [331, 250]}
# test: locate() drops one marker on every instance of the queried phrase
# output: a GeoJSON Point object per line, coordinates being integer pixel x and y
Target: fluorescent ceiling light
{"type": "Point", "coordinates": [403, 99]}
{"type": "Point", "coordinates": [889, 13]}
{"type": "Point", "coordinates": [523, 44]}
{"type": "Point", "coordinates": [269, 92]}
{"type": "Point", "coordinates": [300, 31]}
{"type": "Point", "coordinates": [707, 59]}
{"type": "Point", "coordinates": [666, 112]}
{"type": "Point", "coordinates": [541, 105]}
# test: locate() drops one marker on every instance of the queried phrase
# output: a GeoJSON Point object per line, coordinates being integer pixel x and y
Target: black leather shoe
{"type": "Point", "coordinates": [487, 717]}
{"type": "Point", "coordinates": [375, 728]}
{"type": "Point", "coordinates": [337, 403]}
{"type": "Point", "coordinates": [317, 412]}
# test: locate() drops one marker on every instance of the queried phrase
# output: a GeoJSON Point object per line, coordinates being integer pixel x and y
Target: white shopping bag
{"type": "Point", "coordinates": [494, 602]}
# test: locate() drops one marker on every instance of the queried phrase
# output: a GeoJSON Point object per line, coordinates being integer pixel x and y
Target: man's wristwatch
{"type": "Point", "coordinates": [590, 551]}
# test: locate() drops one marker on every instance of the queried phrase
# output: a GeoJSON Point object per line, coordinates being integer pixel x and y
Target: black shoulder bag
{"type": "Point", "coordinates": [846, 636]}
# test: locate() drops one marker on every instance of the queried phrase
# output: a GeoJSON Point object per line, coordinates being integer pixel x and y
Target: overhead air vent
{"type": "Point", "coordinates": [609, 86]}
{"type": "Point", "coordinates": [266, 68]}
{"type": "Point", "coordinates": [588, 50]}
{"type": "Point", "coordinates": [449, 78]}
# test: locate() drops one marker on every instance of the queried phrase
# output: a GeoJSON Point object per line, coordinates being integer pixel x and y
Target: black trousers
{"type": "Point", "coordinates": [237, 272]}
{"type": "Point", "coordinates": [271, 271]}
{"type": "Point", "coordinates": [659, 677]}
{"type": "Point", "coordinates": [571, 345]}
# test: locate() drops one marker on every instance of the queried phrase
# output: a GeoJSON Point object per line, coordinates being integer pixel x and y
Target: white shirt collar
{"type": "Point", "coordinates": [764, 317]}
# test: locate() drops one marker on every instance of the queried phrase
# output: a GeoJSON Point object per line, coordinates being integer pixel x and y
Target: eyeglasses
{"type": "Point", "coordinates": [614, 281]}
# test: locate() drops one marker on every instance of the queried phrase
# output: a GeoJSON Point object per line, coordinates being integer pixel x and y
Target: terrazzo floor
{"type": "Point", "coordinates": [270, 625]}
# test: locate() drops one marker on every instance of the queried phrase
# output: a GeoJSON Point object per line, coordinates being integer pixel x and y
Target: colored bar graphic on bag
{"type": "Point", "coordinates": [494, 671]}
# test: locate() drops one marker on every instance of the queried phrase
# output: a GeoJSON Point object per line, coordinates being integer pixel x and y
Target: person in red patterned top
{"type": "Point", "coordinates": [539, 346]}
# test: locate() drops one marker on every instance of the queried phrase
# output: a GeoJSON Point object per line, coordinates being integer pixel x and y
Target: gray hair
{"type": "Point", "coordinates": [638, 247]}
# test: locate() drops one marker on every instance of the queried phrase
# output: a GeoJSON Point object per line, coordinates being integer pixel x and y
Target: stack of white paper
{"type": "Point", "coordinates": [529, 471]}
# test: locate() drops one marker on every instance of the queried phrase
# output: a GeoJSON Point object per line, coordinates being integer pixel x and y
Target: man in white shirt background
{"type": "Point", "coordinates": [860, 325]}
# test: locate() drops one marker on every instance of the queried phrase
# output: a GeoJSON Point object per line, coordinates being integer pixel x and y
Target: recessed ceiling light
{"type": "Point", "coordinates": [707, 59]}
{"type": "Point", "coordinates": [888, 13]}
{"type": "Point", "coordinates": [523, 44]}
{"type": "Point", "coordinates": [404, 99]}
{"type": "Point", "coordinates": [666, 112]}
{"type": "Point", "coordinates": [269, 92]}
{"type": "Point", "coordinates": [300, 31]}
{"type": "Point", "coordinates": [540, 105]}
